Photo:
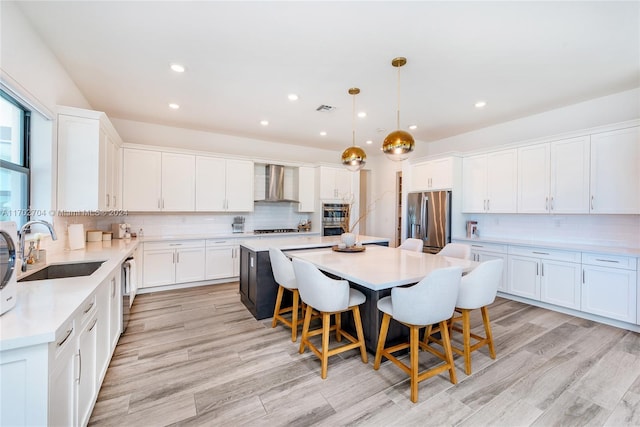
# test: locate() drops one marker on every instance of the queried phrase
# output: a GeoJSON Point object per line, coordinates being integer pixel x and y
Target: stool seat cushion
{"type": "Point", "coordinates": [356, 297]}
{"type": "Point", "coordinates": [384, 305]}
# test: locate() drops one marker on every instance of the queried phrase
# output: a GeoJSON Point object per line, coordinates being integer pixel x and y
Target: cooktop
{"type": "Point", "coordinates": [276, 230]}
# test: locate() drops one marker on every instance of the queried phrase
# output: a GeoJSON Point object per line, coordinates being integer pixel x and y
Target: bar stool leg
{"type": "Point", "coordinates": [414, 356]}
{"type": "Point", "coordinates": [326, 326]}
{"type": "Point", "coordinates": [294, 316]}
{"type": "Point", "coordinates": [360, 334]}
{"type": "Point", "coordinates": [446, 343]}
{"type": "Point", "coordinates": [305, 329]}
{"type": "Point", "coordinates": [382, 337]}
{"type": "Point", "coordinates": [276, 312]}
{"type": "Point", "coordinates": [466, 334]}
{"type": "Point", "coordinates": [487, 330]}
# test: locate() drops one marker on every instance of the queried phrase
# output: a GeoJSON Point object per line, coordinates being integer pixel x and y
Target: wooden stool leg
{"type": "Point", "coordinates": [466, 333]}
{"type": "Point", "coordinates": [446, 342]}
{"type": "Point", "coordinates": [326, 325]}
{"type": "Point", "coordinates": [413, 343]}
{"type": "Point", "coordinates": [358, 321]}
{"type": "Point", "coordinates": [294, 316]}
{"type": "Point", "coordinates": [305, 329]}
{"type": "Point", "coordinates": [427, 335]}
{"type": "Point", "coordinates": [276, 311]}
{"type": "Point", "coordinates": [487, 330]}
{"type": "Point", "coordinates": [382, 337]}
{"type": "Point", "coordinates": [338, 327]}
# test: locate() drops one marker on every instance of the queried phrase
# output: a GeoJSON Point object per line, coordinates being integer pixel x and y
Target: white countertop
{"type": "Point", "coordinates": [303, 242]}
{"type": "Point", "coordinates": [212, 236]}
{"type": "Point", "coordinates": [380, 267]}
{"type": "Point", "coordinates": [43, 306]}
{"type": "Point", "coordinates": [633, 252]}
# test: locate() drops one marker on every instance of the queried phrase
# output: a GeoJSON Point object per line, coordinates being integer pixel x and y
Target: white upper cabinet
{"type": "Point", "coordinates": [224, 185]}
{"type": "Point", "coordinates": [335, 183]}
{"type": "Point", "coordinates": [178, 182]}
{"type": "Point", "coordinates": [554, 177]}
{"type": "Point", "coordinates": [306, 194]}
{"type": "Point", "coordinates": [615, 172]}
{"type": "Point", "coordinates": [432, 175]}
{"type": "Point", "coordinates": [88, 161]}
{"type": "Point", "coordinates": [142, 178]}
{"type": "Point", "coordinates": [489, 182]}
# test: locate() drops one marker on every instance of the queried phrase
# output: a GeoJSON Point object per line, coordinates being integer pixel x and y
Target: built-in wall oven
{"type": "Point", "coordinates": [335, 218]}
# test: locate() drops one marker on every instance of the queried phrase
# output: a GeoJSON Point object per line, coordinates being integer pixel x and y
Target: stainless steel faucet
{"type": "Point", "coordinates": [23, 230]}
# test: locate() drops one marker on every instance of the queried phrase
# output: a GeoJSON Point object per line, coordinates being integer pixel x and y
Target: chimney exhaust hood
{"type": "Point", "coordinates": [274, 185]}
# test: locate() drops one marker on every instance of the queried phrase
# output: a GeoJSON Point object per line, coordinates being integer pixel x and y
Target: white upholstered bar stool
{"type": "Point", "coordinates": [430, 301]}
{"type": "Point", "coordinates": [329, 297]}
{"type": "Point", "coordinates": [412, 244]}
{"type": "Point", "coordinates": [286, 279]}
{"type": "Point", "coordinates": [478, 289]}
{"type": "Point", "coordinates": [456, 250]}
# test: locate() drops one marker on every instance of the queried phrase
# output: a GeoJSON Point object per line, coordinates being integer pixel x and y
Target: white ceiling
{"type": "Point", "coordinates": [244, 58]}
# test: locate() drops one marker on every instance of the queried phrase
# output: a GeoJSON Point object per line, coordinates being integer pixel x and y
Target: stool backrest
{"type": "Point", "coordinates": [282, 269]}
{"type": "Point", "coordinates": [429, 301]}
{"type": "Point", "coordinates": [480, 286]}
{"type": "Point", "coordinates": [319, 291]}
{"type": "Point", "coordinates": [412, 244]}
{"type": "Point", "coordinates": [456, 250]}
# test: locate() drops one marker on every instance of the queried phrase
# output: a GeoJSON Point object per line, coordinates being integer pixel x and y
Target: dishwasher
{"type": "Point", "coordinates": [129, 289]}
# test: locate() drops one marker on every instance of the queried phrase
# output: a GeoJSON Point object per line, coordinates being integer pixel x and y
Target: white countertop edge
{"type": "Point", "coordinates": [633, 252]}
{"type": "Point", "coordinates": [214, 236]}
{"type": "Point", "coordinates": [308, 242]}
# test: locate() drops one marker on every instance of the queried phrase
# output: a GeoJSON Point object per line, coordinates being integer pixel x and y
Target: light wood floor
{"type": "Point", "coordinates": [198, 357]}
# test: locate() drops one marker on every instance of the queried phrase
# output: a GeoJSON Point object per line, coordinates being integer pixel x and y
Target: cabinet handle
{"type": "Point", "coordinates": [477, 246]}
{"type": "Point", "coordinates": [537, 269]}
{"type": "Point", "coordinates": [108, 198]}
{"type": "Point", "coordinates": [79, 365]}
{"type": "Point", "coordinates": [66, 337]}
{"type": "Point", "coordinates": [540, 253]}
{"type": "Point", "coordinates": [89, 308]}
{"type": "Point", "coordinates": [113, 288]}
{"type": "Point", "coordinates": [173, 259]}
{"type": "Point", "coordinates": [546, 203]}
{"type": "Point", "coordinates": [591, 202]}
{"type": "Point", "coordinates": [220, 242]}
{"type": "Point", "coordinates": [93, 325]}
{"type": "Point", "coordinates": [162, 203]}
{"type": "Point", "coordinates": [542, 269]}
{"type": "Point", "coordinates": [175, 244]}
{"type": "Point", "coordinates": [114, 201]}
{"type": "Point", "coordinates": [552, 203]}
{"type": "Point", "coordinates": [178, 258]}
{"type": "Point", "coordinates": [583, 282]}
{"type": "Point", "coordinates": [608, 260]}
{"type": "Point", "coordinates": [158, 203]}
{"type": "Point", "coordinates": [488, 204]}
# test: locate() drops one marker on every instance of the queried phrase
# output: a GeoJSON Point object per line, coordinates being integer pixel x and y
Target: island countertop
{"type": "Point", "coordinates": [304, 242]}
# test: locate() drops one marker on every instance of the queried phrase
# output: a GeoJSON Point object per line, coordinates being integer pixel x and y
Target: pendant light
{"type": "Point", "coordinates": [354, 157]}
{"type": "Point", "coordinates": [398, 144]}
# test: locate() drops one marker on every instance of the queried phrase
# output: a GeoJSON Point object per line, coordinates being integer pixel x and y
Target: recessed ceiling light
{"type": "Point", "coordinates": [292, 97]}
{"type": "Point", "coordinates": [178, 68]}
{"type": "Point", "coordinates": [323, 133]}
{"type": "Point", "coordinates": [174, 106]}
{"type": "Point", "coordinates": [362, 114]}
{"type": "Point", "coordinates": [413, 127]}
{"type": "Point", "coordinates": [264, 122]}
{"type": "Point", "coordinates": [480, 104]}
{"type": "Point", "coordinates": [369, 142]}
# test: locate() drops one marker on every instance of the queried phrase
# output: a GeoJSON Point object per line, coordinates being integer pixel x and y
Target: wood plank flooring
{"type": "Point", "coordinates": [197, 357]}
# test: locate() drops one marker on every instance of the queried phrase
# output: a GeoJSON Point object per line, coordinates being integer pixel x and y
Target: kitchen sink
{"type": "Point", "coordinates": [60, 271]}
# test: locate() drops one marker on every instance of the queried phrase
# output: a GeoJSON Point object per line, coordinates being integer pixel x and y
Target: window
{"type": "Point", "coordinates": [14, 160]}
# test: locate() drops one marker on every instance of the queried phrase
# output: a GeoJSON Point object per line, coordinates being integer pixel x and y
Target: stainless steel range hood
{"type": "Point", "coordinates": [274, 185]}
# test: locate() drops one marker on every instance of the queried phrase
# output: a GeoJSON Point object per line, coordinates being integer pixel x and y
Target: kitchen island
{"type": "Point", "coordinates": [258, 288]}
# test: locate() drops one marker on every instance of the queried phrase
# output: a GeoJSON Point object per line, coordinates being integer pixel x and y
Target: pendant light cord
{"type": "Point", "coordinates": [398, 118]}
{"type": "Point", "coordinates": [353, 122]}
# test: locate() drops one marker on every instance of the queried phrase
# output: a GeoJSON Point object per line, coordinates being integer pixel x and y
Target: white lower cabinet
{"type": "Point", "coordinates": [609, 286]}
{"type": "Point", "coordinates": [62, 380]}
{"type": "Point", "coordinates": [167, 263]}
{"type": "Point", "coordinates": [481, 252]}
{"type": "Point", "coordinates": [223, 259]}
{"type": "Point", "coordinates": [87, 384]}
{"type": "Point", "coordinates": [550, 276]}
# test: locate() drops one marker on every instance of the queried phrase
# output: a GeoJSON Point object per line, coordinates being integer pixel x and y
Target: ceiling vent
{"type": "Point", "coordinates": [325, 108]}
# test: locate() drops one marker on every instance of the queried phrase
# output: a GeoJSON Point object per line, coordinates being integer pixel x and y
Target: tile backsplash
{"type": "Point", "coordinates": [601, 230]}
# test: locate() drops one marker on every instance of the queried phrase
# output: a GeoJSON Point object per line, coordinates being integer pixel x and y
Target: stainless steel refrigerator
{"type": "Point", "coordinates": [429, 218]}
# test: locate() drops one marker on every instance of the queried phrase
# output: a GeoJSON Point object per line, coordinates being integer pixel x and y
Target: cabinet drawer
{"type": "Point", "coordinates": [544, 253]}
{"type": "Point", "coordinates": [223, 242]}
{"type": "Point", "coordinates": [87, 310]}
{"type": "Point", "coordinates": [605, 260]}
{"type": "Point", "coordinates": [177, 244]}
{"type": "Point", "coordinates": [64, 338]}
{"type": "Point", "coordinates": [488, 247]}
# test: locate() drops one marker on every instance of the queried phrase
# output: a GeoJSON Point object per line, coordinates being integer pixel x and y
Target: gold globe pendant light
{"type": "Point", "coordinates": [399, 144]}
{"type": "Point", "coordinates": [354, 157]}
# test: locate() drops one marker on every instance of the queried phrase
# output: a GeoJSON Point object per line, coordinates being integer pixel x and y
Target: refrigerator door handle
{"type": "Point", "coordinates": [424, 216]}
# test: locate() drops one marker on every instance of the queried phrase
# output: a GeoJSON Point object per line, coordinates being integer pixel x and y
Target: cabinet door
{"type": "Point", "coordinates": [474, 183]}
{"type": "Point", "coordinates": [178, 182]}
{"type": "Point", "coordinates": [142, 180]}
{"type": "Point", "coordinates": [569, 191]}
{"type": "Point", "coordinates": [62, 381]}
{"type": "Point", "coordinates": [609, 292]}
{"type": "Point", "coordinates": [190, 264]}
{"type": "Point", "coordinates": [103, 339]}
{"type": "Point", "coordinates": [87, 370]}
{"type": "Point", "coordinates": [115, 310]}
{"type": "Point", "coordinates": [488, 256]}
{"type": "Point", "coordinates": [441, 174]}
{"type": "Point", "coordinates": [502, 181]}
{"type": "Point", "coordinates": [81, 166]}
{"type": "Point", "coordinates": [239, 188]}
{"type": "Point", "coordinates": [236, 261]}
{"type": "Point", "coordinates": [220, 262]}
{"type": "Point", "coordinates": [210, 184]}
{"type": "Point", "coordinates": [533, 178]}
{"type": "Point", "coordinates": [615, 172]}
{"type": "Point", "coordinates": [306, 189]}
{"type": "Point", "coordinates": [344, 184]}
{"type": "Point", "coordinates": [524, 279]}
{"type": "Point", "coordinates": [420, 175]}
{"type": "Point", "coordinates": [159, 267]}
{"type": "Point", "coordinates": [560, 283]}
